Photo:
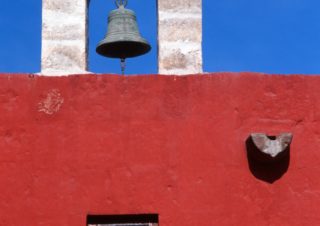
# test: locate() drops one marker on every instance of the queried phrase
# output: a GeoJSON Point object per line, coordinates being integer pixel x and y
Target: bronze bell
{"type": "Point", "coordinates": [123, 39]}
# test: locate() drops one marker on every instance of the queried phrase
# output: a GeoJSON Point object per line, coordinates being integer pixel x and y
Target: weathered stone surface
{"type": "Point", "coordinates": [180, 37]}
{"type": "Point", "coordinates": [180, 5]}
{"type": "Point", "coordinates": [64, 37]}
{"type": "Point", "coordinates": [181, 28]}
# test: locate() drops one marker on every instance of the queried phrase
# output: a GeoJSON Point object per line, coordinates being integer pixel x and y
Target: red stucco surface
{"type": "Point", "coordinates": [105, 144]}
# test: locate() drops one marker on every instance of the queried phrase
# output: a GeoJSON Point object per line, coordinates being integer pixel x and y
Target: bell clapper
{"type": "Point", "coordinates": [123, 65]}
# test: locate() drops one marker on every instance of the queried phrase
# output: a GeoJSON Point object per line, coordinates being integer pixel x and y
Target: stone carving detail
{"type": "Point", "coordinates": [271, 145]}
{"type": "Point", "coordinates": [52, 103]}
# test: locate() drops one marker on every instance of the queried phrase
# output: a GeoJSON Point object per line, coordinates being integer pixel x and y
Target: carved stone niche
{"type": "Point", "coordinates": [271, 148]}
{"type": "Point", "coordinates": [268, 156]}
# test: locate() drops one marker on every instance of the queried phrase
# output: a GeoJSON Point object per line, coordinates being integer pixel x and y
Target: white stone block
{"type": "Point", "coordinates": [64, 37]}
{"type": "Point", "coordinates": [180, 37]}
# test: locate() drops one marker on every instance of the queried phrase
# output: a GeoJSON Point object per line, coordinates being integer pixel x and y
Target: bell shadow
{"type": "Point", "coordinates": [263, 166]}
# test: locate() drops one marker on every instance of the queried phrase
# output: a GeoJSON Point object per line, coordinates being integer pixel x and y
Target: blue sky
{"type": "Point", "coordinates": [271, 36]}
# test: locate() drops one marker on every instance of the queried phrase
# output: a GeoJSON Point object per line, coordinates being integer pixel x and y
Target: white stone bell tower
{"type": "Point", "coordinates": [65, 37]}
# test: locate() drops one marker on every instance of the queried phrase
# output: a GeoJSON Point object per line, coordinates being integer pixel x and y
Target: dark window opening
{"type": "Point", "coordinates": [123, 220]}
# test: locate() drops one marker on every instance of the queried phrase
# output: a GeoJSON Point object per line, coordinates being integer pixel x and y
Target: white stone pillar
{"type": "Point", "coordinates": [64, 37]}
{"type": "Point", "coordinates": [179, 37]}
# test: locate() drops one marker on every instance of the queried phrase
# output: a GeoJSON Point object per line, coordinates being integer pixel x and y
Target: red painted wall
{"type": "Point", "coordinates": [105, 144]}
